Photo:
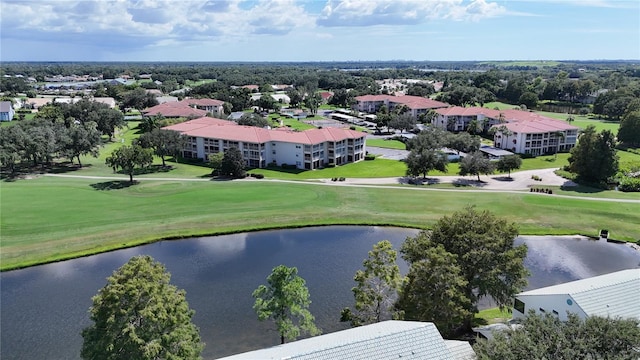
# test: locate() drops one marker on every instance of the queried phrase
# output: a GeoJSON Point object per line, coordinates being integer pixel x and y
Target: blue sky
{"type": "Point", "coordinates": [318, 30]}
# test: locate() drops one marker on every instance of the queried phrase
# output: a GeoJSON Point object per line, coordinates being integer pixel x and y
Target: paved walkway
{"type": "Point", "coordinates": [521, 180]}
{"type": "Point", "coordinates": [519, 183]}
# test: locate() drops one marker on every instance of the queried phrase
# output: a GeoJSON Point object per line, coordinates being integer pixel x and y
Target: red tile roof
{"type": "Point", "coordinates": [174, 109]}
{"type": "Point", "coordinates": [417, 102]}
{"type": "Point", "coordinates": [326, 94]}
{"type": "Point", "coordinates": [203, 102]}
{"type": "Point", "coordinates": [213, 128]}
{"type": "Point", "coordinates": [372, 97]}
{"type": "Point", "coordinates": [539, 124]}
{"type": "Point", "coordinates": [468, 111]}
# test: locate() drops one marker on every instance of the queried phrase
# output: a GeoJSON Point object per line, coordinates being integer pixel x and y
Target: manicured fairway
{"type": "Point", "coordinates": [48, 219]}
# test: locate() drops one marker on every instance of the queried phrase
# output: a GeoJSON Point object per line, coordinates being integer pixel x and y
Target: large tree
{"type": "Point", "coordinates": [285, 300]}
{"type": "Point", "coordinates": [594, 158]}
{"type": "Point", "coordinates": [138, 314]}
{"type": "Point", "coordinates": [139, 99]}
{"type": "Point", "coordinates": [128, 158]}
{"type": "Point", "coordinates": [463, 142]}
{"type": "Point", "coordinates": [163, 143]}
{"type": "Point", "coordinates": [483, 245]}
{"type": "Point", "coordinates": [508, 163]}
{"type": "Point", "coordinates": [82, 139]}
{"type": "Point", "coordinates": [475, 164]}
{"type": "Point", "coordinates": [629, 131]}
{"type": "Point", "coordinates": [377, 287]}
{"type": "Point", "coordinates": [546, 337]}
{"type": "Point", "coordinates": [435, 291]}
{"type": "Point", "coordinates": [232, 163]}
{"type": "Point", "coordinates": [420, 162]}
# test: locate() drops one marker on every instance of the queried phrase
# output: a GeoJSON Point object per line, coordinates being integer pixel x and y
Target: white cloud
{"type": "Point", "coordinates": [404, 12]}
{"type": "Point", "coordinates": [615, 4]}
{"type": "Point", "coordinates": [147, 22]}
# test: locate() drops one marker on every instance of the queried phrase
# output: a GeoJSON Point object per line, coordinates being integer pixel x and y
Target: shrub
{"type": "Point", "coordinates": [334, 179]}
{"type": "Point", "coordinates": [341, 179]}
{"type": "Point", "coordinates": [583, 111]}
{"type": "Point", "coordinates": [629, 184]}
{"type": "Point", "coordinates": [258, 176]}
{"type": "Point", "coordinates": [369, 157]}
{"type": "Point", "coordinates": [330, 165]}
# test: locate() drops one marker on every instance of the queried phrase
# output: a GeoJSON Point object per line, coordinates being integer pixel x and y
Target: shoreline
{"type": "Point", "coordinates": [136, 243]}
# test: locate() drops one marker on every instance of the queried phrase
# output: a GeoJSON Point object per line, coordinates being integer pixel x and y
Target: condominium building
{"type": "Point", "coordinates": [309, 149]}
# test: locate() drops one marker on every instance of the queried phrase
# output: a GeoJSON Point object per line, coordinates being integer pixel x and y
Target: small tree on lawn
{"type": "Point", "coordinates": [508, 163]}
{"type": "Point", "coordinates": [285, 300]}
{"type": "Point", "coordinates": [476, 164]}
{"type": "Point", "coordinates": [140, 315]}
{"type": "Point", "coordinates": [215, 161]}
{"type": "Point", "coordinates": [420, 162]}
{"type": "Point", "coordinates": [232, 163]}
{"type": "Point", "coordinates": [128, 158]}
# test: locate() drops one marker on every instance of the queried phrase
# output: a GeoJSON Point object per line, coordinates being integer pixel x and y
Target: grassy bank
{"type": "Point", "coordinates": [48, 219]}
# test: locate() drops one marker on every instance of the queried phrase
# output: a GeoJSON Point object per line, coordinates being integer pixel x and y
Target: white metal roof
{"type": "Point", "coordinates": [614, 294]}
{"type": "Point", "coordinates": [380, 341]}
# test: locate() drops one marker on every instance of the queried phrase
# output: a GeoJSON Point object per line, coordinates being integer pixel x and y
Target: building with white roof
{"type": "Point", "coordinates": [380, 341]}
{"type": "Point", "coordinates": [611, 295]}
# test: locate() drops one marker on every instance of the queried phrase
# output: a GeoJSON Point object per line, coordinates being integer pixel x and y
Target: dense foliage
{"type": "Point", "coordinates": [377, 287]}
{"type": "Point", "coordinates": [232, 163]}
{"type": "Point", "coordinates": [546, 337]}
{"type": "Point", "coordinates": [594, 158]}
{"type": "Point", "coordinates": [285, 300]}
{"type": "Point", "coordinates": [482, 261]}
{"type": "Point", "coordinates": [475, 164]}
{"type": "Point", "coordinates": [37, 143]}
{"type": "Point", "coordinates": [138, 314]}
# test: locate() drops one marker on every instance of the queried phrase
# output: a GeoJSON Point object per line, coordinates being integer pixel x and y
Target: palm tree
{"type": "Point", "coordinates": [504, 133]}
{"type": "Point", "coordinates": [558, 135]}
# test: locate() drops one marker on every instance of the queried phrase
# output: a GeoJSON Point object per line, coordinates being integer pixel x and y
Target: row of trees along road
{"type": "Point", "coordinates": [138, 314]}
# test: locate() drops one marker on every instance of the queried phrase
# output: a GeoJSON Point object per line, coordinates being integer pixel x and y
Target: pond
{"type": "Point", "coordinates": [44, 308]}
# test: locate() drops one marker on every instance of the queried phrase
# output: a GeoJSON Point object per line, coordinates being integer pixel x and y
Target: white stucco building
{"type": "Point", "coordinates": [518, 131]}
{"type": "Point", "coordinates": [417, 105]}
{"type": "Point", "coordinates": [611, 295]}
{"type": "Point", "coordinates": [309, 149]}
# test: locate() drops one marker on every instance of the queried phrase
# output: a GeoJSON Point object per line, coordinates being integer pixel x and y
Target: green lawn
{"type": "Point", "coordinates": [192, 83]}
{"type": "Point", "coordinates": [364, 169]}
{"type": "Point", "coordinates": [389, 144]}
{"type": "Point", "coordinates": [492, 316]}
{"type": "Point", "coordinates": [48, 219]}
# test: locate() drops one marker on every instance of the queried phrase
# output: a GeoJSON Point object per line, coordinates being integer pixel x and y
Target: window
{"type": "Point", "coordinates": [518, 305]}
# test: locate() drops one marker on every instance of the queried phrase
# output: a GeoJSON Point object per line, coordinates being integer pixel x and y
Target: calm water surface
{"type": "Point", "coordinates": [44, 308]}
